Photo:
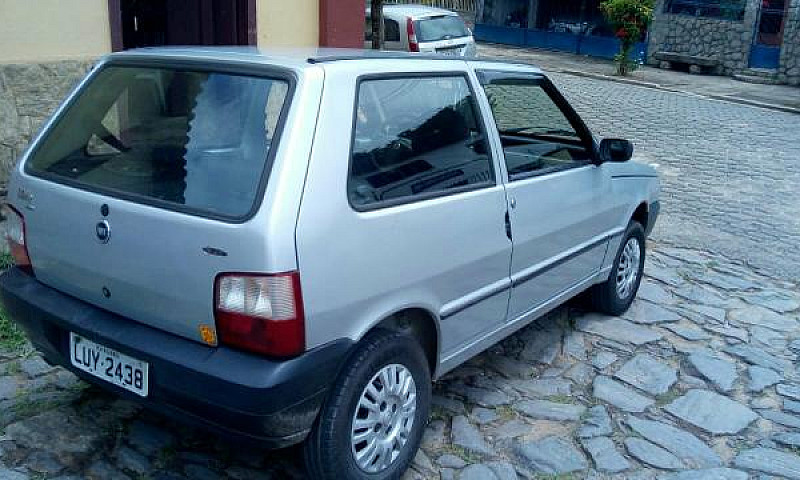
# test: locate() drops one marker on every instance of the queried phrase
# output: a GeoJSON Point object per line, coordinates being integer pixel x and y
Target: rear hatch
{"type": "Point", "coordinates": [444, 34]}
{"type": "Point", "coordinates": [144, 182]}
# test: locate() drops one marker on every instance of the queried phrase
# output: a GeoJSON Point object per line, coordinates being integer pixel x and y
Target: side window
{"type": "Point", "coordinates": [415, 137]}
{"type": "Point", "coordinates": [391, 31]}
{"type": "Point", "coordinates": [537, 136]}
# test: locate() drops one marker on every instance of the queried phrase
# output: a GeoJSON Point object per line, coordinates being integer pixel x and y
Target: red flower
{"type": "Point", "coordinates": [622, 33]}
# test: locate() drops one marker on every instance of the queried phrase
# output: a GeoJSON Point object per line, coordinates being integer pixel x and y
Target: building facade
{"type": "Point", "coordinates": [752, 38]}
{"type": "Point", "coordinates": [46, 46]}
{"type": "Point", "coordinates": [757, 38]}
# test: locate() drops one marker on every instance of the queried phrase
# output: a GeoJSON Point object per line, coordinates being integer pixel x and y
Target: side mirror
{"type": "Point", "coordinates": [615, 150]}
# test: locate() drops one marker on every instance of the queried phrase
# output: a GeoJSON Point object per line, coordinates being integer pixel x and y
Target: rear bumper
{"type": "Point", "coordinates": [230, 392]}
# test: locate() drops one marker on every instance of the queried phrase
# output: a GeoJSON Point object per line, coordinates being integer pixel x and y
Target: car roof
{"type": "Point", "coordinates": [414, 10]}
{"type": "Point", "coordinates": [287, 58]}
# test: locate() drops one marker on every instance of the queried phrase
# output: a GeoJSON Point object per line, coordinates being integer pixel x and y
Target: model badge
{"type": "Point", "coordinates": [103, 231]}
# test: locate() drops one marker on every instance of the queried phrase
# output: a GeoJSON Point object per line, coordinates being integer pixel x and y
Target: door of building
{"type": "Point", "coordinates": [768, 34]}
{"type": "Point", "coordinates": [148, 23]}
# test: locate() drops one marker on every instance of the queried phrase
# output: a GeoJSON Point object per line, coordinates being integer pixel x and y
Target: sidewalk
{"type": "Point", "coordinates": [777, 97]}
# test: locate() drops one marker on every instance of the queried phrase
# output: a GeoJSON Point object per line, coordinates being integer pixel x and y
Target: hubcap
{"type": "Point", "coordinates": [383, 418]}
{"type": "Point", "coordinates": [628, 268]}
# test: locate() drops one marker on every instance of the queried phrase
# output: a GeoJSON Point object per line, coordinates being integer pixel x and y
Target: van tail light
{"type": "Point", "coordinates": [15, 236]}
{"type": "Point", "coordinates": [261, 313]}
{"type": "Point", "coordinates": [413, 44]}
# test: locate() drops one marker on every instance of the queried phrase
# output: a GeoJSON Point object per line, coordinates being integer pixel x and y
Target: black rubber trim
{"type": "Point", "coordinates": [652, 215]}
{"type": "Point", "coordinates": [228, 391]}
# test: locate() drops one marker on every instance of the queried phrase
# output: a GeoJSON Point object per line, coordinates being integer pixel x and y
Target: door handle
{"type": "Point", "coordinates": [508, 225]}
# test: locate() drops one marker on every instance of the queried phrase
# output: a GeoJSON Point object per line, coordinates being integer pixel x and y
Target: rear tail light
{"type": "Point", "coordinates": [261, 313]}
{"type": "Point", "coordinates": [413, 44]}
{"type": "Point", "coordinates": [15, 236]}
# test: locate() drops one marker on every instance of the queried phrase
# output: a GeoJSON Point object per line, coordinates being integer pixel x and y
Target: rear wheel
{"type": "Point", "coordinates": [615, 295]}
{"type": "Point", "coordinates": [372, 423]}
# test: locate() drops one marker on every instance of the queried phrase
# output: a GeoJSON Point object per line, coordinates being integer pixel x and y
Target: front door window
{"type": "Point", "coordinates": [537, 136]}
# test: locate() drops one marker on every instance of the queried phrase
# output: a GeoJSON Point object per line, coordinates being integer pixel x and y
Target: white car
{"type": "Point", "coordinates": [420, 28]}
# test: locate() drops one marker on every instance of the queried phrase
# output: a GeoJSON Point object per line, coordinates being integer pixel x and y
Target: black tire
{"type": "Point", "coordinates": [604, 297]}
{"type": "Point", "coordinates": [327, 451]}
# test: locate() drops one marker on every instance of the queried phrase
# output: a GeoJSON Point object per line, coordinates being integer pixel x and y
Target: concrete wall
{"type": "Point", "coordinates": [46, 30]}
{"type": "Point", "coordinates": [287, 23]}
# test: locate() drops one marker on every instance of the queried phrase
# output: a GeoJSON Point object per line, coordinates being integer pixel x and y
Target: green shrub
{"type": "Point", "coordinates": [629, 19]}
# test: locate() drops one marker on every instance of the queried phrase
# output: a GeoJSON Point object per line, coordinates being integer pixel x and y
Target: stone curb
{"type": "Point", "coordinates": [657, 86]}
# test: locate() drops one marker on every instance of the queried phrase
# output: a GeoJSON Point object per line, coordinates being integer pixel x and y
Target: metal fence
{"type": "Point", "coordinates": [457, 5]}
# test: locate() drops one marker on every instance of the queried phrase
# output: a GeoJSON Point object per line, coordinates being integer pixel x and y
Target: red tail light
{"type": "Point", "coordinates": [413, 44]}
{"type": "Point", "coordinates": [261, 313]}
{"type": "Point", "coordinates": [15, 236]}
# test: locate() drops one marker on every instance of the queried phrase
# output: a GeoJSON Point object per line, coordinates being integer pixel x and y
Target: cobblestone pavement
{"type": "Point", "coordinates": [730, 173]}
{"type": "Point", "coordinates": [697, 381]}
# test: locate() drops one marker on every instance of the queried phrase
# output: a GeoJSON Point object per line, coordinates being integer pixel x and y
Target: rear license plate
{"type": "Point", "coordinates": [108, 364]}
{"type": "Point", "coordinates": [450, 52]}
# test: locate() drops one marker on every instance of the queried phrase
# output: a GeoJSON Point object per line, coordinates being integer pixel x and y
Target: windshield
{"type": "Point", "coordinates": [198, 140]}
{"type": "Point", "coordinates": [444, 27]}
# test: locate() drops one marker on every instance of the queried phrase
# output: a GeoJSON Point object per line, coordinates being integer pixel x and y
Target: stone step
{"type": "Point", "coordinates": [758, 75]}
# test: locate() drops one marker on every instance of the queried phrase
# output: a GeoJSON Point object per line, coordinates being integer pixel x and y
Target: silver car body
{"type": "Point", "coordinates": [458, 46]}
{"type": "Point", "coordinates": [449, 256]}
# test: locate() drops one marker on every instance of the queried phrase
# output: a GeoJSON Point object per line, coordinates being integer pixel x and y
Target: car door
{"type": "Point", "coordinates": [422, 223]}
{"type": "Point", "coordinates": [560, 209]}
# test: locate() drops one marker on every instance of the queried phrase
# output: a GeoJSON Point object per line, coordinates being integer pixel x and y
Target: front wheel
{"type": "Point", "coordinates": [615, 295]}
{"type": "Point", "coordinates": [372, 423]}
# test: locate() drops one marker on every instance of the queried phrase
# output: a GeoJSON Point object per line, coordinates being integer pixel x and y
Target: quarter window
{"type": "Point", "coordinates": [416, 137]}
{"type": "Point", "coordinates": [536, 135]}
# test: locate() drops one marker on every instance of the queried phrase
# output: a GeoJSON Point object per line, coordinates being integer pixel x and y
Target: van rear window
{"type": "Point", "coordinates": [196, 140]}
{"type": "Point", "coordinates": [444, 27]}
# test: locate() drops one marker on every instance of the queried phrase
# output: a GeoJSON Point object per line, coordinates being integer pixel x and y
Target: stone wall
{"type": "Point", "coordinates": [727, 41]}
{"type": "Point", "coordinates": [789, 71]}
{"type": "Point", "coordinates": [29, 93]}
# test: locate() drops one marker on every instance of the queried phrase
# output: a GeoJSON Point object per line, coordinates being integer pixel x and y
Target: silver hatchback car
{"type": "Point", "coordinates": [424, 29]}
{"type": "Point", "coordinates": [288, 247]}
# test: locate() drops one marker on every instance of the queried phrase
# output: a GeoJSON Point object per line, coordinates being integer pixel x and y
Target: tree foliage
{"type": "Point", "coordinates": [629, 19]}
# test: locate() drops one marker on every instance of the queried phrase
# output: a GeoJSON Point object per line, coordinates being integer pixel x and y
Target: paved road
{"type": "Point", "coordinates": [730, 172]}
{"type": "Point", "coordinates": [699, 377]}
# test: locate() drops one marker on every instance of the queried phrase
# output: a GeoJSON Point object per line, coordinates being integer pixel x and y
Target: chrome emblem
{"type": "Point", "coordinates": [103, 231]}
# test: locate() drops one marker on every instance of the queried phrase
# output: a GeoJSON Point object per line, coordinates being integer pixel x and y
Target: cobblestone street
{"type": "Point", "coordinates": [729, 172]}
{"type": "Point", "coordinates": [698, 380]}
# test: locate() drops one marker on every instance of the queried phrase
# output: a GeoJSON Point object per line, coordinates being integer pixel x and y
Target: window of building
{"type": "Point", "coordinates": [724, 9]}
{"type": "Point", "coordinates": [416, 138]}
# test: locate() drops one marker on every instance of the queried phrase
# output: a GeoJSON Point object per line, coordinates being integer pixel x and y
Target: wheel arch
{"type": "Point", "coordinates": [421, 324]}
{"type": "Point", "coordinates": [641, 214]}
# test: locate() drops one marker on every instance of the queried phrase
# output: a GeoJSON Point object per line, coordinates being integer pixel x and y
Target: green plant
{"type": "Point", "coordinates": [6, 261]}
{"type": "Point", "coordinates": [11, 337]}
{"type": "Point", "coordinates": [629, 19]}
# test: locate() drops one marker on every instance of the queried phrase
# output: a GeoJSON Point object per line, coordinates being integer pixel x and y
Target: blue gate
{"type": "Point", "coordinates": [592, 45]}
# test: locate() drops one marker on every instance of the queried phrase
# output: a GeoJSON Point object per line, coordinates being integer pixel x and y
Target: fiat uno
{"type": "Point", "coordinates": [288, 247]}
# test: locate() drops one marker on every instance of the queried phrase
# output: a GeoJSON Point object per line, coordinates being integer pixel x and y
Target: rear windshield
{"type": "Point", "coordinates": [445, 27]}
{"type": "Point", "coordinates": [197, 140]}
